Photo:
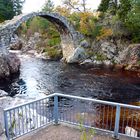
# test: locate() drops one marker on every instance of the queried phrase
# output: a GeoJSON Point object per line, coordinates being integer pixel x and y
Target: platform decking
{"type": "Point", "coordinates": [63, 132]}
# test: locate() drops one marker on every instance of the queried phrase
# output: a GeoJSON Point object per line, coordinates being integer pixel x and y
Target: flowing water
{"type": "Point", "coordinates": [39, 77]}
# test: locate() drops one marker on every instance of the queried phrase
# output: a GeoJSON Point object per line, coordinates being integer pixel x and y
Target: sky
{"type": "Point", "coordinates": [36, 5]}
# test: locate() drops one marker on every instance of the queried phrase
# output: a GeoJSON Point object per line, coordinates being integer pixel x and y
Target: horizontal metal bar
{"type": "Point", "coordinates": [20, 105]}
{"type": "Point", "coordinates": [76, 97]}
{"type": "Point", "coordinates": [98, 101]}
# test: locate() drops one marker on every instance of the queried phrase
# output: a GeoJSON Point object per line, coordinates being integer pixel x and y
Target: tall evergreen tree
{"type": "Point", "coordinates": [124, 8]}
{"type": "Point", "coordinates": [49, 6]}
{"type": "Point", "coordinates": [10, 8]}
{"type": "Point", "coordinates": [17, 6]}
{"type": "Point", "coordinates": [104, 5]}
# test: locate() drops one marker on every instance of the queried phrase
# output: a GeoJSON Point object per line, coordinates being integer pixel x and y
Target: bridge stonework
{"type": "Point", "coordinates": [70, 39]}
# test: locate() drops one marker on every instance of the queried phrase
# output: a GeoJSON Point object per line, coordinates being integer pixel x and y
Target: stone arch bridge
{"type": "Point", "coordinates": [70, 39]}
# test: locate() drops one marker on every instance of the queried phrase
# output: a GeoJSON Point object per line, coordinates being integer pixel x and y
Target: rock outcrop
{"type": "Point", "coordinates": [9, 64]}
{"type": "Point", "coordinates": [115, 53]}
{"type": "Point", "coordinates": [78, 55]}
{"type": "Point", "coordinates": [16, 43]}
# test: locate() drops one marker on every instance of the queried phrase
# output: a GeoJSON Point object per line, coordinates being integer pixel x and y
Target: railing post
{"type": "Point", "coordinates": [55, 109]}
{"type": "Point", "coordinates": [117, 122]}
{"type": "Point", "coordinates": [6, 125]}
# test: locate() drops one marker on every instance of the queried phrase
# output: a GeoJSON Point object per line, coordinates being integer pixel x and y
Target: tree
{"type": "Point", "coordinates": [17, 6]}
{"type": "Point", "coordinates": [6, 10]}
{"type": "Point", "coordinates": [49, 6]}
{"type": "Point", "coordinates": [64, 11]}
{"type": "Point", "coordinates": [104, 5]}
{"type": "Point", "coordinates": [10, 8]}
{"type": "Point", "coordinates": [124, 9]}
{"type": "Point", "coordinates": [76, 5]}
{"type": "Point", "coordinates": [133, 20]}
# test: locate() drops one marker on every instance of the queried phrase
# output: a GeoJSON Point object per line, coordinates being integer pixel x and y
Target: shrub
{"type": "Point", "coordinates": [105, 33]}
{"type": "Point", "coordinates": [54, 53]}
{"type": "Point", "coordinates": [53, 42]}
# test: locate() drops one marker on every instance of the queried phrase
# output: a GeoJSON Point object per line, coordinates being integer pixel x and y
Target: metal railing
{"type": "Point", "coordinates": [91, 113]}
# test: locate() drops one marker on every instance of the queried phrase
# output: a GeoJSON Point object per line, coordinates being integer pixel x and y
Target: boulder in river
{"type": "Point", "coordinates": [9, 64]}
{"type": "Point", "coordinates": [16, 43]}
{"type": "Point", "coordinates": [78, 55]}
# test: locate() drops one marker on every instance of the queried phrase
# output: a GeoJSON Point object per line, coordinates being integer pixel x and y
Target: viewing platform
{"type": "Point", "coordinates": [67, 117]}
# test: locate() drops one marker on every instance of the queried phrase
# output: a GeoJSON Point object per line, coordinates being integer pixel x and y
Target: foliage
{"type": "Point", "coordinates": [124, 9]}
{"type": "Point", "coordinates": [133, 20]}
{"type": "Point", "coordinates": [104, 33]}
{"type": "Point", "coordinates": [97, 56]}
{"type": "Point", "coordinates": [10, 8]}
{"type": "Point", "coordinates": [54, 53]}
{"type": "Point", "coordinates": [76, 5]}
{"type": "Point", "coordinates": [64, 11]}
{"type": "Point", "coordinates": [53, 42]}
{"type": "Point", "coordinates": [86, 135]}
{"type": "Point", "coordinates": [85, 22]}
{"type": "Point", "coordinates": [104, 5]}
{"type": "Point", "coordinates": [48, 6]}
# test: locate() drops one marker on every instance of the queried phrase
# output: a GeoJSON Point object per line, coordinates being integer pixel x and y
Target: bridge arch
{"type": "Point", "coordinates": [70, 39]}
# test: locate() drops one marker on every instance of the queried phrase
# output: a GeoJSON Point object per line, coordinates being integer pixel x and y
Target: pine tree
{"type": "Point", "coordinates": [104, 5]}
{"type": "Point", "coordinates": [124, 9]}
{"type": "Point", "coordinates": [10, 8]}
{"type": "Point", "coordinates": [49, 6]}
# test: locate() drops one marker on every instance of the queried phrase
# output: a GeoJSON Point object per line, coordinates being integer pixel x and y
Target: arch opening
{"type": "Point", "coordinates": [70, 39]}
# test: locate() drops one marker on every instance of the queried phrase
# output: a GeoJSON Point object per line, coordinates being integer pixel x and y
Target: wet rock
{"type": "Point", "coordinates": [16, 43]}
{"type": "Point", "coordinates": [86, 62]}
{"type": "Point", "coordinates": [9, 64]}
{"type": "Point", "coordinates": [78, 55]}
{"type": "Point", "coordinates": [107, 62]}
{"type": "Point", "coordinates": [109, 49]}
{"type": "Point", "coordinates": [97, 62]}
{"type": "Point", "coordinates": [18, 87]}
{"type": "Point", "coordinates": [4, 68]}
{"type": "Point", "coordinates": [3, 93]}
{"type": "Point", "coordinates": [31, 44]}
{"type": "Point", "coordinates": [13, 62]}
{"type": "Point", "coordinates": [130, 57]}
{"type": "Point", "coordinates": [84, 44]}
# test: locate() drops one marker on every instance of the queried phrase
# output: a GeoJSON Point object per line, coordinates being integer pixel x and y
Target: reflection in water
{"type": "Point", "coordinates": [44, 77]}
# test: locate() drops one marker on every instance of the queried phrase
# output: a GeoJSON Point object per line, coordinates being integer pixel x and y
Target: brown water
{"type": "Point", "coordinates": [40, 77]}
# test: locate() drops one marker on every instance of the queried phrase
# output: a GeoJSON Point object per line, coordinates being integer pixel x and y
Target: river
{"type": "Point", "coordinates": [43, 77]}
{"type": "Point", "coordinates": [39, 77]}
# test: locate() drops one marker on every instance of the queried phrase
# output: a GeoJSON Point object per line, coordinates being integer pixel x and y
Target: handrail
{"type": "Point", "coordinates": [75, 97]}
{"type": "Point", "coordinates": [23, 104]}
{"type": "Point", "coordinates": [49, 112]}
{"type": "Point", "coordinates": [98, 101]}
